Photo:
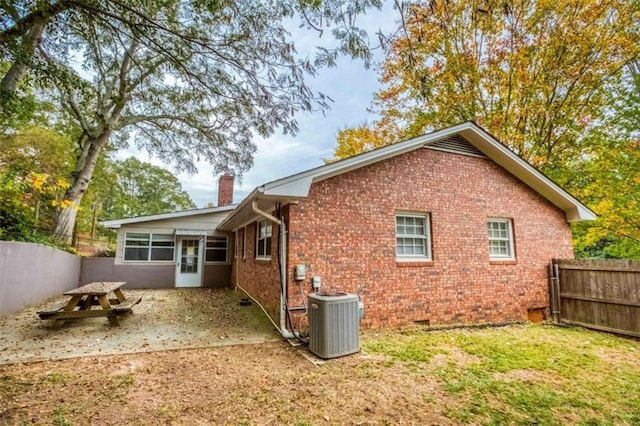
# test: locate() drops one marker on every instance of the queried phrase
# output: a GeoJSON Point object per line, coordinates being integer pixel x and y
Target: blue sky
{"type": "Point", "coordinates": [350, 85]}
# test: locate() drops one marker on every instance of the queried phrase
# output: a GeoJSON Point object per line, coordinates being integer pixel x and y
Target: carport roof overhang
{"type": "Point", "coordinates": [117, 223]}
{"type": "Point", "coordinates": [293, 188]}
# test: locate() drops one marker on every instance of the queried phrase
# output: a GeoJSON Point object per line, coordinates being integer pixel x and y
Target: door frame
{"type": "Point", "coordinates": [200, 265]}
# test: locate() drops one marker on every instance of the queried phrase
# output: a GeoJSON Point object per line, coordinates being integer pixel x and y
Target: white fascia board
{"type": "Point", "coordinates": [195, 212]}
{"type": "Point", "coordinates": [536, 180]}
{"type": "Point", "coordinates": [300, 180]}
{"type": "Point", "coordinates": [230, 223]}
{"type": "Point", "coordinates": [297, 186]}
{"type": "Point", "coordinates": [293, 188]}
{"type": "Point", "coordinates": [290, 188]}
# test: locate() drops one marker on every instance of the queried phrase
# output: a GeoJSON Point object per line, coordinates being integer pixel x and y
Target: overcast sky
{"type": "Point", "coordinates": [350, 85]}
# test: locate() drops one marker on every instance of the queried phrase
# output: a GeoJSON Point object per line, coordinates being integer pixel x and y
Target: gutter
{"type": "Point", "coordinates": [284, 331]}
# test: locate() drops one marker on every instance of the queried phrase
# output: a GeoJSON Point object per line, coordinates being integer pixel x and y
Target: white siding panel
{"type": "Point", "coordinates": [168, 226]}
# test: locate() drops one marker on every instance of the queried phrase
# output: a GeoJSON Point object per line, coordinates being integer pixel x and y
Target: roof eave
{"type": "Point", "coordinates": [291, 185]}
{"type": "Point", "coordinates": [297, 186]}
{"type": "Point", "coordinates": [117, 223]}
{"type": "Point", "coordinates": [504, 157]}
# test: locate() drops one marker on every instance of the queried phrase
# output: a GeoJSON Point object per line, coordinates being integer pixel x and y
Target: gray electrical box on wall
{"type": "Point", "coordinates": [301, 272]}
{"type": "Point", "coordinates": [334, 324]}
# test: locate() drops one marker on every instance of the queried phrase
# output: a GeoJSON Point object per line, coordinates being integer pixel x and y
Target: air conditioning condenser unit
{"type": "Point", "coordinates": [334, 324]}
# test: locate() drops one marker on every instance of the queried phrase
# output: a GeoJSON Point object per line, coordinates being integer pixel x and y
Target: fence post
{"type": "Point", "coordinates": [554, 290]}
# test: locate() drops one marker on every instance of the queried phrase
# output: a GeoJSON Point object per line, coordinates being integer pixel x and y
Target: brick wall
{"type": "Point", "coordinates": [345, 233]}
{"type": "Point", "coordinates": [260, 278]}
{"type": "Point", "coordinates": [225, 190]}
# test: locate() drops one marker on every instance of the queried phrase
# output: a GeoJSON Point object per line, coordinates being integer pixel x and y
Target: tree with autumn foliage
{"type": "Point", "coordinates": [185, 80]}
{"type": "Point", "coordinates": [607, 177]}
{"type": "Point", "coordinates": [34, 172]}
{"type": "Point", "coordinates": [539, 75]}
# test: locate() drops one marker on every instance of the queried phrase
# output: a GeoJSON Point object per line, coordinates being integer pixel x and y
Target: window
{"type": "Point", "coordinates": [500, 239]}
{"type": "Point", "coordinates": [216, 249]}
{"type": "Point", "coordinates": [413, 240]}
{"type": "Point", "coordinates": [148, 247]}
{"type": "Point", "coordinates": [263, 240]}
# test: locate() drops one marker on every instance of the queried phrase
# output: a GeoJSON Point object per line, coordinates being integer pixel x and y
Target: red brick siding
{"type": "Point", "coordinates": [260, 278]}
{"type": "Point", "coordinates": [344, 231]}
{"type": "Point", "coordinates": [225, 190]}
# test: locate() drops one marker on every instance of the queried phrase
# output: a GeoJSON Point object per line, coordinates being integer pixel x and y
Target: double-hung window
{"type": "Point", "coordinates": [413, 239]}
{"type": "Point", "coordinates": [500, 239]}
{"type": "Point", "coordinates": [148, 247]}
{"type": "Point", "coordinates": [216, 250]}
{"type": "Point", "coordinates": [263, 240]}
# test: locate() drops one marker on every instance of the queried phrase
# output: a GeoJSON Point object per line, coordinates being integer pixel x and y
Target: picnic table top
{"type": "Point", "coordinates": [96, 289]}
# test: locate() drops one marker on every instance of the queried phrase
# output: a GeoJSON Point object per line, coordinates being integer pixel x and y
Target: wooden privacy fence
{"type": "Point", "coordinates": [599, 294]}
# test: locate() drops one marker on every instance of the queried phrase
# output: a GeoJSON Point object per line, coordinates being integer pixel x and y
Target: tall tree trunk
{"type": "Point", "coordinates": [11, 79]}
{"type": "Point", "coordinates": [86, 163]}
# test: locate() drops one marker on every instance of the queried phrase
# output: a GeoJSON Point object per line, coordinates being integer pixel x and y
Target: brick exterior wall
{"type": "Point", "coordinates": [344, 232]}
{"type": "Point", "coordinates": [225, 190]}
{"type": "Point", "coordinates": [259, 278]}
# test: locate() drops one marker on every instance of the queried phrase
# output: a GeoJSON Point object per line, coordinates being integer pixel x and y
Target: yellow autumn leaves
{"type": "Point", "coordinates": [42, 183]}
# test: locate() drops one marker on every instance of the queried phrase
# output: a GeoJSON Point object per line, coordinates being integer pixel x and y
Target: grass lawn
{"type": "Point", "coordinates": [520, 374]}
{"type": "Point", "coordinates": [523, 374]}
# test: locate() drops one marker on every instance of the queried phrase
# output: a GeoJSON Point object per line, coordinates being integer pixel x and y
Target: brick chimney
{"type": "Point", "coordinates": [225, 190]}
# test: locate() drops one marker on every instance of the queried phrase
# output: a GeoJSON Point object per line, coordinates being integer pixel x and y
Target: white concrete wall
{"type": "Point", "coordinates": [31, 273]}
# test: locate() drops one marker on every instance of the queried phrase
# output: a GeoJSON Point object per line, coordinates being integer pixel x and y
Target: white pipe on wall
{"type": "Point", "coordinates": [284, 331]}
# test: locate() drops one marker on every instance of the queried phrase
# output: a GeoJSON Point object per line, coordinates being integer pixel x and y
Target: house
{"type": "Point", "coordinates": [180, 249]}
{"type": "Point", "coordinates": [447, 228]}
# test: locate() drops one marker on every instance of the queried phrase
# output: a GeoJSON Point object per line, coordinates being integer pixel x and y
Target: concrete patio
{"type": "Point", "coordinates": [164, 320]}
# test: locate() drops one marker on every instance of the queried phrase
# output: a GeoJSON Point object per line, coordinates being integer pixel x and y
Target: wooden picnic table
{"type": "Point", "coordinates": [84, 298]}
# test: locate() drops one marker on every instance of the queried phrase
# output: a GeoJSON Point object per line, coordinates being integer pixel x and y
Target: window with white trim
{"type": "Point", "coordinates": [413, 237]}
{"type": "Point", "coordinates": [216, 250]}
{"type": "Point", "coordinates": [500, 239]}
{"type": "Point", "coordinates": [263, 239]}
{"type": "Point", "coordinates": [148, 247]}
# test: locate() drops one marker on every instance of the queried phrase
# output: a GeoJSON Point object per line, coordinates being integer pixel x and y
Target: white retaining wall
{"type": "Point", "coordinates": [31, 273]}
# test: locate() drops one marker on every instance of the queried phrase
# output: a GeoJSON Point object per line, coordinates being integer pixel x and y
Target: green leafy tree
{"type": "Point", "coordinates": [535, 73]}
{"type": "Point", "coordinates": [607, 176]}
{"type": "Point", "coordinates": [22, 199]}
{"type": "Point", "coordinates": [554, 80]}
{"type": "Point", "coordinates": [186, 79]}
{"type": "Point", "coordinates": [36, 161]}
{"type": "Point", "coordinates": [141, 189]}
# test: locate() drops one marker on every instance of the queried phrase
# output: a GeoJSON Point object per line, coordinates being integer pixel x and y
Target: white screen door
{"type": "Point", "coordinates": [189, 264]}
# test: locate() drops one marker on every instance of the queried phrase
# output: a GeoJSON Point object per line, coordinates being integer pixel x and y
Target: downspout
{"type": "Point", "coordinates": [284, 331]}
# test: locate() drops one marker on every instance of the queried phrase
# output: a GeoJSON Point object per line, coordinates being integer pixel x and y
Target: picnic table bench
{"type": "Point", "coordinates": [84, 298]}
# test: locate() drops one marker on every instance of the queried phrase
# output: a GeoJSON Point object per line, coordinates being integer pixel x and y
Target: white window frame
{"type": "Point", "coordinates": [149, 247]}
{"type": "Point", "coordinates": [425, 237]}
{"type": "Point", "coordinates": [265, 241]}
{"type": "Point", "coordinates": [226, 249]}
{"type": "Point", "coordinates": [511, 255]}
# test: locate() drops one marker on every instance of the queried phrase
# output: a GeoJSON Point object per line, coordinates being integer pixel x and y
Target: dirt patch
{"type": "Point", "coordinates": [269, 383]}
{"type": "Point", "coordinates": [453, 355]}
{"type": "Point", "coordinates": [164, 320]}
